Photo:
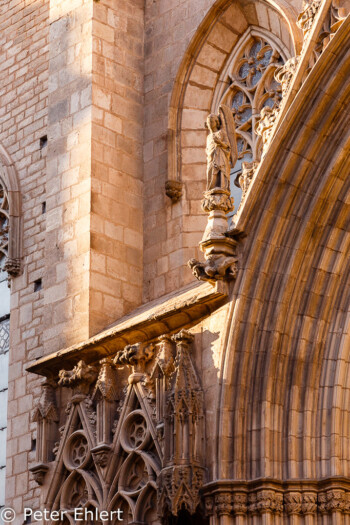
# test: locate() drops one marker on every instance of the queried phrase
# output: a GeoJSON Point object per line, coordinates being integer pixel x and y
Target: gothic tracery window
{"type": "Point", "coordinates": [4, 224]}
{"type": "Point", "coordinates": [251, 86]}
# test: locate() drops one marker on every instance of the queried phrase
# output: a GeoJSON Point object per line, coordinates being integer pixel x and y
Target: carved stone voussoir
{"type": "Point", "coordinates": [307, 16]}
{"type": "Point", "coordinates": [173, 189]}
{"type": "Point", "coordinates": [264, 126]}
{"type": "Point", "coordinates": [285, 73]}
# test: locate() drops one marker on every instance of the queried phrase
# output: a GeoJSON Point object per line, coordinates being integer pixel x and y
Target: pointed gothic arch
{"type": "Point", "coordinates": [212, 46]}
{"type": "Point", "coordinates": [10, 216]}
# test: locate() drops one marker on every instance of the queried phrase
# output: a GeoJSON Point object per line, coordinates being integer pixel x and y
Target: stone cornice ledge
{"type": "Point", "coordinates": [228, 485]}
{"type": "Point", "coordinates": [169, 313]}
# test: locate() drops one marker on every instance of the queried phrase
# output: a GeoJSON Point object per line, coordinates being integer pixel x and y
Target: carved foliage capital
{"type": "Point", "coordinates": [265, 501]}
{"type": "Point", "coordinates": [293, 503]}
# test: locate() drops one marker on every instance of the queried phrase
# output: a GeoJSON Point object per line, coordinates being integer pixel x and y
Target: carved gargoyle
{"type": "Point", "coordinates": [216, 267]}
{"type": "Point", "coordinates": [137, 356]}
{"type": "Point", "coordinates": [80, 377]}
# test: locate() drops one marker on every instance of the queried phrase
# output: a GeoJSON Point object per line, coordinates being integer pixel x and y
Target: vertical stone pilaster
{"type": "Point", "coordinates": [68, 181]}
{"type": "Point", "coordinates": [93, 251]}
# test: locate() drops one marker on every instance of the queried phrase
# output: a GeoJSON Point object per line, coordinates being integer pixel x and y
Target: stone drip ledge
{"type": "Point", "coordinates": [167, 314]}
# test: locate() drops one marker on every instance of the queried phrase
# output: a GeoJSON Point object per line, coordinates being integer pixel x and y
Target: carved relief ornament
{"type": "Point", "coordinates": [123, 436]}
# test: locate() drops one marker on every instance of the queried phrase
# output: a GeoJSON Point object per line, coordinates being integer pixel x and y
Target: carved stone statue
{"type": "Point", "coordinates": [219, 250]}
{"type": "Point", "coordinates": [221, 148]}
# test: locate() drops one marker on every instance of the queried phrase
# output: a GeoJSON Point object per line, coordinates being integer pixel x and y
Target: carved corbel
{"type": "Point", "coordinates": [45, 414]}
{"type": "Point", "coordinates": [183, 476]}
{"type": "Point", "coordinates": [13, 267]}
{"type": "Point", "coordinates": [173, 189]}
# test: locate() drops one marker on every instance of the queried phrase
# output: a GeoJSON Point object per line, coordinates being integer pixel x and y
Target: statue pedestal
{"type": "Point", "coordinates": [219, 249]}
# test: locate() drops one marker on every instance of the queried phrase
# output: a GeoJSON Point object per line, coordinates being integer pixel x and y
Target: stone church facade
{"type": "Point", "coordinates": [174, 217]}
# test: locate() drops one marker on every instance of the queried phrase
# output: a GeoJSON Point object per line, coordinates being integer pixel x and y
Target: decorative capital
{"type": "Point", "coordinates": [293, 503]}
{"type": "Point", "coordinates": [266, 501]}
{"type": "Point", "coordinates": [173, 189]}
{"type": "Point", "coordinates": [309, 503]}
{"type": "Point", "coordinates": [223, 503]}
{"type": "Point", "coordinates": [240, 503]}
